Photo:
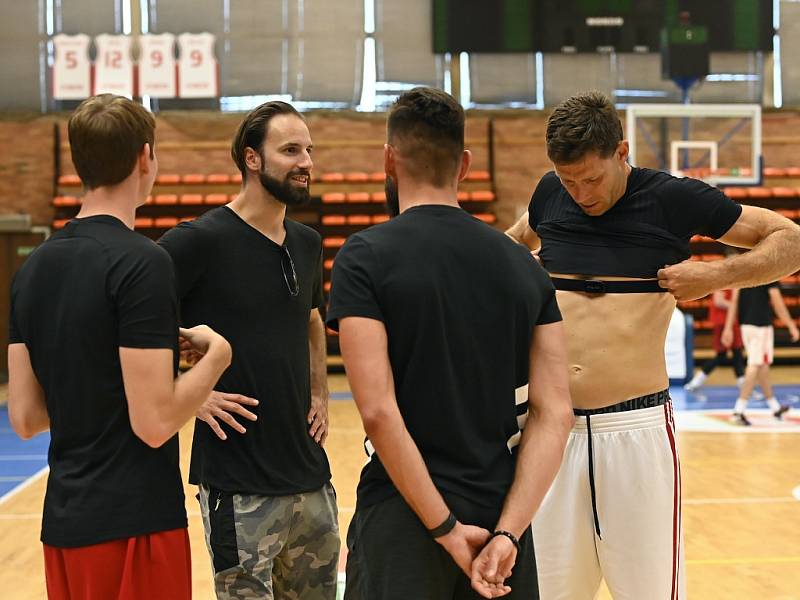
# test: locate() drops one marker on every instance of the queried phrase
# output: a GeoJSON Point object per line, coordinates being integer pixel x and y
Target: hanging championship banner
{"type": "Point", "coordinates": [157, 67]}
{"type": "Point", "coordinates": [72, 70]}
{"type": "Point", "coordinates": [113, 67]}
{"type": "Point", "coordinates": [197, 66]}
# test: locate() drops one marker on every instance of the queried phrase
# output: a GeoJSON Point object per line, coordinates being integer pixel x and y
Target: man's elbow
{"type": "Point", "coordinates": [379, 419]}
{"type": "Point", "coordinates": [22, 425]}
{"type": "Point", "coordinates": [153, 435]}
{"type": "Point", "coordinates": [150, 428]}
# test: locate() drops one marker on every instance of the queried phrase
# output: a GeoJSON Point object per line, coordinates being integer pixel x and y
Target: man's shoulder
{"type": "Point", "coordinates": [303, 231]}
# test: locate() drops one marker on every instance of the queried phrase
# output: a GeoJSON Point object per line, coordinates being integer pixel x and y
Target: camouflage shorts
{"type": "Point", "coordinates": [267, 547]}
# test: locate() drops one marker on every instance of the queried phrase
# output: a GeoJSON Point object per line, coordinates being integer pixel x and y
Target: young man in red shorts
{"type": "Point", "coordinates": [92, 356]}
{"type": "Point", "coordinates": [721, 301]}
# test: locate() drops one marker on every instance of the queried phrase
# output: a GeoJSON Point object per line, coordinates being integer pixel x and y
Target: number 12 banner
{"type": "Point", "coordinates": [113, 67]}
{"type": "Point", "coordinates": [157, 75]}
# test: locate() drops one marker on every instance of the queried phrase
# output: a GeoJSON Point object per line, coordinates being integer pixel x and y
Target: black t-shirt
{"type": "Point", "coordinates": [754, 305]}
{"type": "Point", "coordinates": [459, 301]}
{"type": "Point", "coordinates": [231, 278]}
{"type": "Point", "coordinates": [648, 227]}
{"type": "Point", "coordinates": [93, 287]}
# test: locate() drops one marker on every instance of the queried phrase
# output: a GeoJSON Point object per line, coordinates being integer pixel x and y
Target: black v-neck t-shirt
{"type": "Point", "coordinates": [91, 288]}
{"type": "Point", "coordinates": [460, 301]}
{"type": "Point", "coordinates": [231, 277]}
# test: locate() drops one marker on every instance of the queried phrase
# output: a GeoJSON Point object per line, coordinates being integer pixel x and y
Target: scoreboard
{"type": "Point", "coordinates": [594, 25]}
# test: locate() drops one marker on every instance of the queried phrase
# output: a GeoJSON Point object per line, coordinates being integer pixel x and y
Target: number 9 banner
{"type": "Point", "coordinates": [157, 74]}
{"type": "Point", "coordinates": [197, 66]}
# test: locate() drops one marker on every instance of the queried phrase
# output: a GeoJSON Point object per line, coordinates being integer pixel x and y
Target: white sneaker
{"type": "Point", "coordinates": [757, 395]}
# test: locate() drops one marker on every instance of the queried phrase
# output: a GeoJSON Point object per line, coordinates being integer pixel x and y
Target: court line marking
{"type": "Point", "coordinates": [25, 484]}
{"type": "Point", "coordinates": [773, 500]}
{"type": "Point", "coordinates": [13, 457]}
{"type": "Point", "coordinates": [744, 560]}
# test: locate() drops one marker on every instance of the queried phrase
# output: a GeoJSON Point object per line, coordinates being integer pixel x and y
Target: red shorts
{"type": "Point", "coordinates": [156, 566]}
{"type": "Point", "coordinates": [716, 342]}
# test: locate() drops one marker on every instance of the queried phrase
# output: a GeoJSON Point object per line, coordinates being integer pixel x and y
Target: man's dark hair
{"type": "Point", "coordinates": [106, 135]}
{"type": "Point", "coordinates": [582, 124]}
{"type": "Point", "coordinates": [253, 130]}
{"type": "Point", "coordinates": [426, 127]}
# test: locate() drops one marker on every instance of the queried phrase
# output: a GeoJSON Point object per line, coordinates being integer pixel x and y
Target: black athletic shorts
{"type": "Point", "coordinates": [393, 557]}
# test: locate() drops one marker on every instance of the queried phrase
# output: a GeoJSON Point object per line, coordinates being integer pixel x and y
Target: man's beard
{"type": "Point", "coordinates": [285, 191]}
{"type": "Point", "coordinates": [392, 197]}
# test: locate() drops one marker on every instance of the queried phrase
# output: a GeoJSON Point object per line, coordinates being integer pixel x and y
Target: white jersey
{"type": "Point", "coordinates": [197, 66]}
{"type": "Point", "coordinates": [157, 66]}
{"type": "Point", "coordinates": [113, 68]}
{"type": "Point", "coordinates": [72, 69]}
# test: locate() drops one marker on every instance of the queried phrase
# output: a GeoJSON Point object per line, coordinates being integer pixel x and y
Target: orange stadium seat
{"type": "Point", "coordinates": [193, 178]}
{"type": "Point", "coordinates": [149, 199]}
{"type": "Point", "coordinates": [485, 217]}
{"type": "Point", "coordinates": [462, 196]}
{"type": "Point", "coordinates": [378, 197]}
{"type": "Point", "coordinates": [59, 223]}
{"type": "Point", "coordinates": [784, 192]}
{"type": "Point", "coordinates": [774, 172]}
{"type": "Point", "coordinates": [380, 218]}
{"type": "Point", "coordinates": [377, 176]}
{"type": "Point", "coordinates": [218, 178]}
{"type": "Point", "coordinates": [69, 180]}
{"type": "Point", "coordinates": [793, 171]}
{"type": "Point", "coordinates": [479, 176]}
{"type": "Point", "coordinates": [358, 197]}
{"type": "Point", "coordinates": [236, 178]}
{"type": "Point", "coordinates": [333, 242]}
{"type": "Point", "coordinates": [168, 179]}
{"type": "Point", "coordinates": [328, 264]}
{"type": "Point", "coordinates": [191, 199]}
{"type": "Point", "coordinates": [65, 201]}
{"type": "Point", "coordinates": [216, 199]}
{"type": "Point", "coordinates": [165, 222]}
{"type": "Point", "coordinates": [142, 222]}
{"type": "Point", "coordinates": [759, 192]}
{"type": "Point", "coordinates": [187, 219]}
{"type": "Point", "coordinates": [358, 220]}
{"type": "Point", "coordinates": [356, 177]}
{"type": "Point", "coordinates": [327, 286]}
{"type": "Point", "coordinates": [332, 177]}
{"type": "Point", "coordinates": [166, 199]}
{"type": "Point", "coordinates": [334, 219]}
{"type": "Point", "coordinates": [333, 198]}
{"type": "Point", "coordinates": [482, 196]}
{"type": "Point", "coordinates": [735, 192]}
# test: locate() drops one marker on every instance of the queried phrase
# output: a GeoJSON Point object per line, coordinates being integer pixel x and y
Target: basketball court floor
{"type": "Point", "coordinates": [741, 495]}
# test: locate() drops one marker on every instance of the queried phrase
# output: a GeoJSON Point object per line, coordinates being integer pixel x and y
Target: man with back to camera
{"type": "Point", "coordinates": [439, 344]}
{"type": "Point", "coordinates": [615, 239]}
{"type": "Point", "coordinates": [756, 308]}
{"type": "Point", "coordinates": [92, 356]}
{"type": "Point", "coordinates": [269, 510]}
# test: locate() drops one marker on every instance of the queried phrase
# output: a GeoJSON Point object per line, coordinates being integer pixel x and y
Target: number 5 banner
{"type": "Point", "coordinates": [157, 66]}
{"type": "Point", "coordinates": [113, 67]}
{"type": "Point", "coordinates": [72, 70]}
{"type": "Point", "coordinates": [197, 66]}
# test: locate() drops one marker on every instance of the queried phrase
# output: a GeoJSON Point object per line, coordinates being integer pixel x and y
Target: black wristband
{"type": "Point", "coordinates": [445, 528]}
{"type": "Point", "coordinates": [507, 534]}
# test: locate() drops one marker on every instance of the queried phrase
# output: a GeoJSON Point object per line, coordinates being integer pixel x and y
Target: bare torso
{"type": "Point", "coordinates": [615, 344]}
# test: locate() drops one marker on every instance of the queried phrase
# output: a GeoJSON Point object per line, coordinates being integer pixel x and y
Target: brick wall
{"type": "Point", "coordinates": [199, 142]}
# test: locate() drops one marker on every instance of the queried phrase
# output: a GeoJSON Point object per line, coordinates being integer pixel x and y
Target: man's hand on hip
{"type": "Point", "coordinates": [318, 418]}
